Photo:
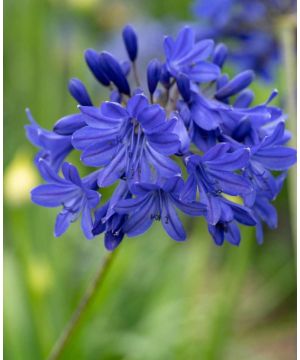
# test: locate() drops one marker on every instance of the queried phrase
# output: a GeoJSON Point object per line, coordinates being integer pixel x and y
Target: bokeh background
{"type": "Point", "coordinates": [162, 300]}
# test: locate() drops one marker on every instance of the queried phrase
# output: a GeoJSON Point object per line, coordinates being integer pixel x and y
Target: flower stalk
{"type": "Point", "coordinates": [83, 305]}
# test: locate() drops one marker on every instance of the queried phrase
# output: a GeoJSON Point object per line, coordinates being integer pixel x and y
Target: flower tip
{"type": "Point", "coordinates": [130, 41]}
{"type": "Point", "coordinates": [79, 92]}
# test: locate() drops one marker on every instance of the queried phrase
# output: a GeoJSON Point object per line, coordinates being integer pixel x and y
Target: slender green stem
{"type": "Point", "coordinates": [135, 74]}
{"type": "Point", "coordinates": [86, 300]}
{"type": "Point", "coordinates": [287, 34]}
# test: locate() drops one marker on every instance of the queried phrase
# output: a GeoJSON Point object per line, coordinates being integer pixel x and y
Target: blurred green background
{"type": "Point", "coordinates": [162, 300]}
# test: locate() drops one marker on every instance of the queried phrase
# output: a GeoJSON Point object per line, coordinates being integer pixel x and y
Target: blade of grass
{"type": "Point", "coordinates": [86, 300]}
{"type": "Point", "coordinates": [287, 36]}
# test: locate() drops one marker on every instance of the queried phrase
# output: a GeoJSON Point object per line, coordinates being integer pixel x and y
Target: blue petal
{"type": "Point", "coordinates": [48, 173]}
{"type": "Point", "coordinates": [213, 209]}
{"type": "Point", "coordinates": [69, 124]}
{"type": "Point", "coordinates": [233, 234]}
{"type": "Point", "coordinates": [230, 183]}
{"type": "Point", "coordinates": [230, 161]}
{"type": "Point", "coordinates": [143, 188]}
{"type": "Point", "coordinates": [99, 224]}
{"type": "Point", "coordinates": [204, 72]}
{"type": "Point", "coordinates": [71, 174]}
{"type": "Point", "coordinates": [110, 115]}
{"type": "Point", "coordinates": [88, 135]}
{"type": "Point", "coordinates": [114, 170]}
{"type": "Point", "coordinates": [163, 165]}
{"type": "Point", "coordinates": [235, 85]}
{"type": "Point", "coordinates": [217, 233]}
{"type": "Point", "coordinates": [192, 208]}
{"type": "Point", "coordinates": [92, 197]}
{"type": "Point", "coordinates": [50, 195]}
{"type": "Point", "coordinates": [184, 42]}
{"type": "Point", "coordinates": [172, 185]}
{"type": "Point", "coordinates": [114, 111]}
{"type": "Point", "coordinates": [189, 192]}
{"type": "Point", "coordinates": [99, 154]}
{"type": "Point", "coordinates": [242, 214]}
{"type": "Point", "coordinates": [181, 131]}
{"type": "Point", "coordinates": [136, 105]}
{"type": "Point", "coordinates": [205, 118]}
{"type": "Point", "coordinates": [140, 220]}
{"type": "Point", "coordinates": [128, 206]}
{"type": "Point", "coordinates": [276, 157]}
{"type": "Point", "coordinates": [171, 222]}
{"type": "Point", "coordinates": [87, 222]}
{"type": "Point", "coordinates": [216, 152]}
{"type": "Point", "coordinates": [166, 144]}
{"type": "Point", "coordinates": [259, 233]}
{"type": "Point", "coordinates": [275, 137]}
{"type": "Point", "coordinates": [152, 117]}
{"type": "Point", "coordinates": [266, 211]}
{"type": "Point", "coordinates": [183, 84]}
{"type": "Point", "coordinates": [200, 51]}
{"type": "Point", "coordinates": [168, 46]}
{"type": "Point", "coordinates": [244, 99]}
{"type": "Point", "coordinates": [112, 240]}
{"type": "Point", "coordinates": [63, 221]}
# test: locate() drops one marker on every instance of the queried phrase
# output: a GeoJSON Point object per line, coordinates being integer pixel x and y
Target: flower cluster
{"type": "Point", "coordinates": [250, 26]}
{"type": "Point", "coordinates": [188, 140]}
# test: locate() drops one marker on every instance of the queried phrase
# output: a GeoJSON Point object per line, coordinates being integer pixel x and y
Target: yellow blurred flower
{"type": "Point", "coordinates": [78, 5]}
{"type": "Point", "coordinates": [19, 178]}
{"type": "Point", "coordinates": [40, 276]}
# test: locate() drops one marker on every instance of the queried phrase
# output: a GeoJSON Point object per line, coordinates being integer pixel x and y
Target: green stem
{"type": "Point", "coordinates": [287, 34]}
{"type": "Point", "coordinates": [82, 307]}
{"type": "Point", "coordinates": [136, 75]}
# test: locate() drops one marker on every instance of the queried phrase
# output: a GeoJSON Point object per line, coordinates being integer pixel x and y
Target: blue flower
{"type": "Point", "coordinates": [227, 227]}
{"type": "Point", "coordinates": [213, 174]}
{"type": "Point", "coordinates": [196, 116]}
{"type": "Point", "coordinates": [109, 221]}
{"type": "Point", "coordinates": [184, 56]}
{"type": "Point", "coordinates": [269, 155]}
{"type": "Point", "coordinates": [264, 211]}
{"type": "Point", "coordinates": [129, 141]}
{"type": "Point", "coordinates": [247, 25]}
{"type": "Point", "coordinates": [54, 148]}
{"type": "Point", "coordinates": [71, 193]}
{"type": "Point", "coordinates": [157, 202]}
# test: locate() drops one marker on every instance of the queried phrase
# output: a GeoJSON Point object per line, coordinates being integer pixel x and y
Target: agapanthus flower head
{"type": "Point", "coordinates": [250, 27]}
{"type": "Point", "coordinates": [182, 142]}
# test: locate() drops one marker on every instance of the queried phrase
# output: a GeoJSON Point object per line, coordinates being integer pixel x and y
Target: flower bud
{"type": "Point", "coordinates": [130, 41]}
{"type": "Point", "coordinates": [238, 83]}
{"type": "Point", "coordinates": [183, 84]}
{"type": "Point", "coordinates": [220, 55]}
{"type": "Point", "coordinates": [79, 92]}
{"type": "Point", "coordinates": [114, 72]}
{"type": "Point", "coordinates": [153, 75]}
{"type": "Point", "coordinates": [92, 59]}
